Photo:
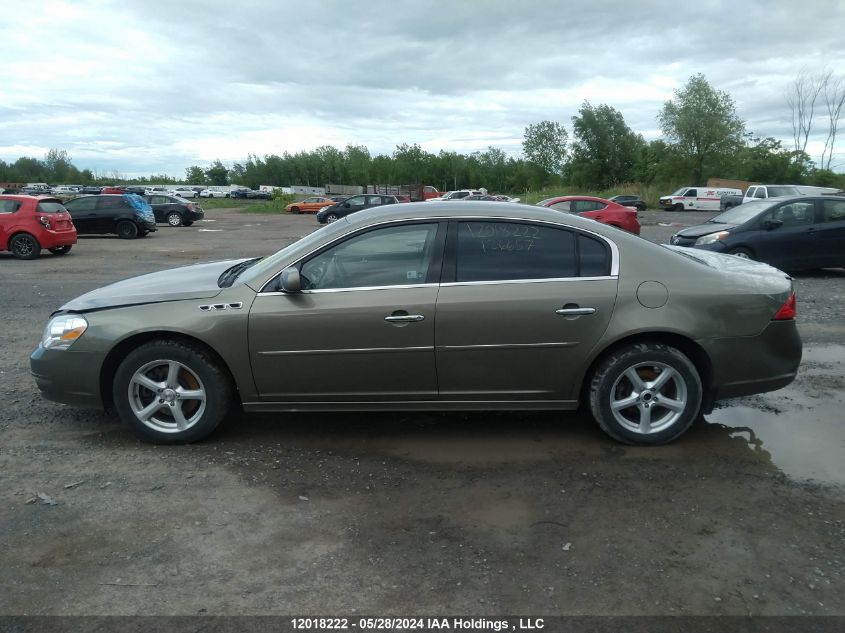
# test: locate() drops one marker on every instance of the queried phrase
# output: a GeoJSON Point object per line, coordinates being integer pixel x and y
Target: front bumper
{"type": "Point", "coordinates": [743, 366]}
{"type": "Point", "coordinates": [68, 376]}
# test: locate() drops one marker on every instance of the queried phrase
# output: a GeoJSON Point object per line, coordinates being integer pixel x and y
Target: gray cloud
{"type": "Point", "coordinates": [155, 86]}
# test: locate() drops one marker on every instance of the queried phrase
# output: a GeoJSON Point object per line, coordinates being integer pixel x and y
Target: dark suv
{"type": "Point", "coordinates": [174, 210]}
{"type": "Point", "coordinates": [327, 215]}
{"type": "Point", "coordinates": [128, 215]}
{"type": "Point", "coordinates": [629, 201]}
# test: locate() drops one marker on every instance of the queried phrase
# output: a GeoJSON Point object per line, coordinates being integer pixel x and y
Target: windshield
{"type": "Point", "coordinates": [680, 191]}
{"type": "Point", "coordinates": [742, 213]}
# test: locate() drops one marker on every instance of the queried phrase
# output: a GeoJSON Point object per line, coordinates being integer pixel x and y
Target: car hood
{"type": "Point", "coordinates": [705, 229]}
{"type": "Point", "coordinates": [198, 281]}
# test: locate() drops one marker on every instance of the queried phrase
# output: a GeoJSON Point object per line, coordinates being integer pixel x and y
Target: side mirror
{"type": "Point", "coordinates": [772, 224]}
{"type": "Point", "coordinates": [290, 280]}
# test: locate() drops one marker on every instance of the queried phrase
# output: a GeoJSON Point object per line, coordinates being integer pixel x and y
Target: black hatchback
{"type": "Point", "coordinates": [174, 210]}
{"type": "Point", "coordinates": [791, 233]}
{"type": "Point", "coordinates": [127, 215]}
{"type": "Point", "coordinates": [327, 215]}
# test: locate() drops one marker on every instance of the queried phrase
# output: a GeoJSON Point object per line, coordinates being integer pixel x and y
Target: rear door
{"type": "Point", "coordinates": [520, 308]}
{"type": "Point", "coordinates": [83, 211]}
{"type": "Point", "coordinates": [830, 233]}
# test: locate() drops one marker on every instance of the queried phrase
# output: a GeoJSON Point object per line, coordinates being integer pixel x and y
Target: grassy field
{"type": "Point", "coordinates": [648, 193]}
{"type": "Point", "coordinates": [248, 206]}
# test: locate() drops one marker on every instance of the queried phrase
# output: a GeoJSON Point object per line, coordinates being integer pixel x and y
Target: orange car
{"type": "Point", "coordinates": [309, 205]}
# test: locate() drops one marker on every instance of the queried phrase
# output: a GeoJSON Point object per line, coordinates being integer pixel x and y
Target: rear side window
{"type": "Point", "coordinates": [51, 207]}
{"type": "Point", "coordinates": [833, 211]}
{"type": "Point", "coordinates": [593, 256]}
{"type": "Point", "coordinates": [497, 251]}
{"type": "Point", "coordinates": [9, 206]}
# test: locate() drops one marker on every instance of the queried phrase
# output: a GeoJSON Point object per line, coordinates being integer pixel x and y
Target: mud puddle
{"type": "Point", "coordinates": [801, 427]}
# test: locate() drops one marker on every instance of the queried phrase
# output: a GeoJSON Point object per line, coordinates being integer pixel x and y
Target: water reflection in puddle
{"type": "Point", "coordinates": [801, 426]}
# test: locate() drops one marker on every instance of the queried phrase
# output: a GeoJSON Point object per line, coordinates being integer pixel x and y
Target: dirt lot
{"type": "Point", "coordinates": [530, 513]}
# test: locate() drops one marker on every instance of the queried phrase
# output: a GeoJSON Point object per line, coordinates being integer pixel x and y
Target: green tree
{"type": "Point", "coordinates": [702, 124]}
{"type": "Point", "coordinates": [59, 167]}
{"type": "Point", "coordinates": [217, 174]}
{"type": "Point", "coordinates": [194, 175]}
{"type": "Point", "coordinates": [605, 148]}
{"type": "Point", "coordinates": [544, 144]}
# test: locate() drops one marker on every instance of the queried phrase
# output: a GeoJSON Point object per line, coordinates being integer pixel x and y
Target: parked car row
{"type": "Point", "coordinates": [29, 224]}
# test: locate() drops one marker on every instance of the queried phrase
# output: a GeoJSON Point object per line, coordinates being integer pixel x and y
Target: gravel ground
{"type": "Point", "coordinates": [528, 513]}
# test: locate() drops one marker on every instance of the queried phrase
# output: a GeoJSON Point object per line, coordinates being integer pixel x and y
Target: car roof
{"type": "Point", "coordinates": [565, 198]}
{"type": "Point", "coordinates": [459, 210]}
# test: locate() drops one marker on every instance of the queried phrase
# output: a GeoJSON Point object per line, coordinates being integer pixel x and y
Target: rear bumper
{"type": "Point", "coordinates": [52, 239]}
{"type": "Point", "coordinates": [744, 366]}
{"type": "Point", "coordinates": [67, 376]}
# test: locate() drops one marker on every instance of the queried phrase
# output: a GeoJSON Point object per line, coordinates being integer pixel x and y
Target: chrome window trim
{"type": "Point", "coordinates": [542, 280]}
{"type": "Point", "coordinates": [614, 250]}
{"type": "Point", "coordinates": [358, 288]}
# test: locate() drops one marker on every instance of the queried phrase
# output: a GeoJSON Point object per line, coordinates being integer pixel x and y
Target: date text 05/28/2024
{"type": "Point", "coordinates": [416, 624]}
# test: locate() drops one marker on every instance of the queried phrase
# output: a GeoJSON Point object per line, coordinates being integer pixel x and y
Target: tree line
{"type": "Point", "coordinates": [703, 137]}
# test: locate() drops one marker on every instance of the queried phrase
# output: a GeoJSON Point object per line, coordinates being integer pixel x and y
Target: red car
{"type": "Point", "coordinates": [30, 223]}
{"type": "Point", "coordinates": [604, 211]}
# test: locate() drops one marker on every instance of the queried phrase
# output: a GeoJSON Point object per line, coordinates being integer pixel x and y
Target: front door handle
{"type": "Point", "coordinates": [404, 318]}
{"type": "Point", "coordinates": [575, 311]}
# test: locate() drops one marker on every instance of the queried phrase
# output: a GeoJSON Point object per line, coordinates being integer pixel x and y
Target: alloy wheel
{"type": "Point", "coordinates": [648, 397]}
{"type": "Point", "coordinates": [167, 396]}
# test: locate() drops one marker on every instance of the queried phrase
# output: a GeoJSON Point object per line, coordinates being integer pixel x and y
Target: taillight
{"type": "Point", "coordinates": [45, 221]}
{"type": "Point", "coordinates": [787, 310]}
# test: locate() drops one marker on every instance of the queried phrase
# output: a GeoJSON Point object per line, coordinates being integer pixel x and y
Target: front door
{"type": "Point", "coordinates": [525, 306]}
{"type": "Point", "coordinates": [84, 214]}
{"type": "Point", "coordinates": [362, 329]}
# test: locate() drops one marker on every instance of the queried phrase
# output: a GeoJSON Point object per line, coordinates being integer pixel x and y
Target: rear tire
{"type": "Point", "coordinates": [61, 250]}
{"type": "Point", "coordinates": [126, 230]}
{"type": "Point", "coordinates": [170, 392]}
{"type": "Point", "coordinates": [174, 218]}
{"type": "Point", "coordinates": [645, 393]}
{"type": "Point", "coordinates": [25, 246]}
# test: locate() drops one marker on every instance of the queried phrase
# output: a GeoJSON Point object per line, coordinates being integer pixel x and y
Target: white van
{"type": "Point", "coordinates": [697, 198]}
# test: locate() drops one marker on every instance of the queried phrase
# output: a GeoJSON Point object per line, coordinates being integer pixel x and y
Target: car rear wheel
{"type": "Point", "coordinates": [127, 230]}
{"type": "Point", "coordinates": [332, 217]}
{"type": "Point", "coordinates": [743, 253]}
{"type": "Point", "coordinates": [25, 246]}
{"type": "Point", "coordinates": [645, 393]}
{"type": "Point", "coordinates": [174, 218]}
{"type": "Point", "coordinates": [170, 392]}
{"type": "Point", "coordinates": [61, 250]}
{"type": "Point", "coordinates": [294, 209]}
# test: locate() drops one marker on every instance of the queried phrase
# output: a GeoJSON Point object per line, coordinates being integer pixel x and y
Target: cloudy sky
{"type": "Point", "coordinates": [153, 86]}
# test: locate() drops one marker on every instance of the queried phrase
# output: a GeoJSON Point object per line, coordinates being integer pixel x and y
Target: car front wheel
{"type": "Point", "coordinates": [332, 217]}
{"type": "Point", "coordinates": [25, 246]}
{"type": "Point", "coordinates": [645, 393]}
{"type": "Point", "coordinates": [742, 253]}
{"type": "Point", "coordinates": [174, 219]}
{"type": "Point", "coordinates": [127, 230]}
{"type": "Point", "coordinates": [171, 392]}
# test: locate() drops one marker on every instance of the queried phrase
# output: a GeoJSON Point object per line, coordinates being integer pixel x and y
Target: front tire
{"type": "Point", "coordinates": [127, 230]}
{"type": "Point", "coordinates": [25, 246]}
{"type": "Point", "coordinates": [679, 208]}
{"type": "Point", "coordinates": [170, 392]}
{"type": "Point", "coordinates": [294, 209]}
{"type": "Point", "coordinates": [742, 253]}
{"type": "Point", "coordinates": [174, 218]}
{"type": "Point", "coordinates": [61, 250]}
{"type": "Point", "coordinates": [645, 393]}
{"type": "Point", "coordinates": [332, 217]}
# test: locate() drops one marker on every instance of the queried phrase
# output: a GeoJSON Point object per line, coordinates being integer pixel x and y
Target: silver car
{"type": "Point", "coordinates": [431, 307]}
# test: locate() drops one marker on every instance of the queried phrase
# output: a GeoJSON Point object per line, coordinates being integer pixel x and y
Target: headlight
{"type": "Point", "coordinates": [63, 330]}
{"type": "Point", "coordinates": [712, 237]}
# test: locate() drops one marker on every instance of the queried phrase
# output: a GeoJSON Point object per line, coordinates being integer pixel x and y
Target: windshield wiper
{"type": "Point", "coordinates": [228, 276]}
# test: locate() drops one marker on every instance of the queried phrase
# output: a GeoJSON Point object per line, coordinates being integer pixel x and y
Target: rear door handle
{"type": "Point", "coordinates": [575, 311]}
{"type": "Point", "coordinates": [404, 318]}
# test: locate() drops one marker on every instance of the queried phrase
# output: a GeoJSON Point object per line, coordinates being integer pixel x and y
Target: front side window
{"type": "Point", "coordinates": [750, 193]}
{"type": "Point", "coordinates": [795, 213]}
{"type": "Point", "coordinates": [390, 256]}
{"type": "Point", "coordinates": [566, 205]}
{"type": "Point", "coordinates": [357, 201]}
{"type": "Point", "coordinates": [760, 193]}
{"type": "Point", "coordinates": [82, 204]}
{"type": "Point", "coordinates": [691, 193]}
